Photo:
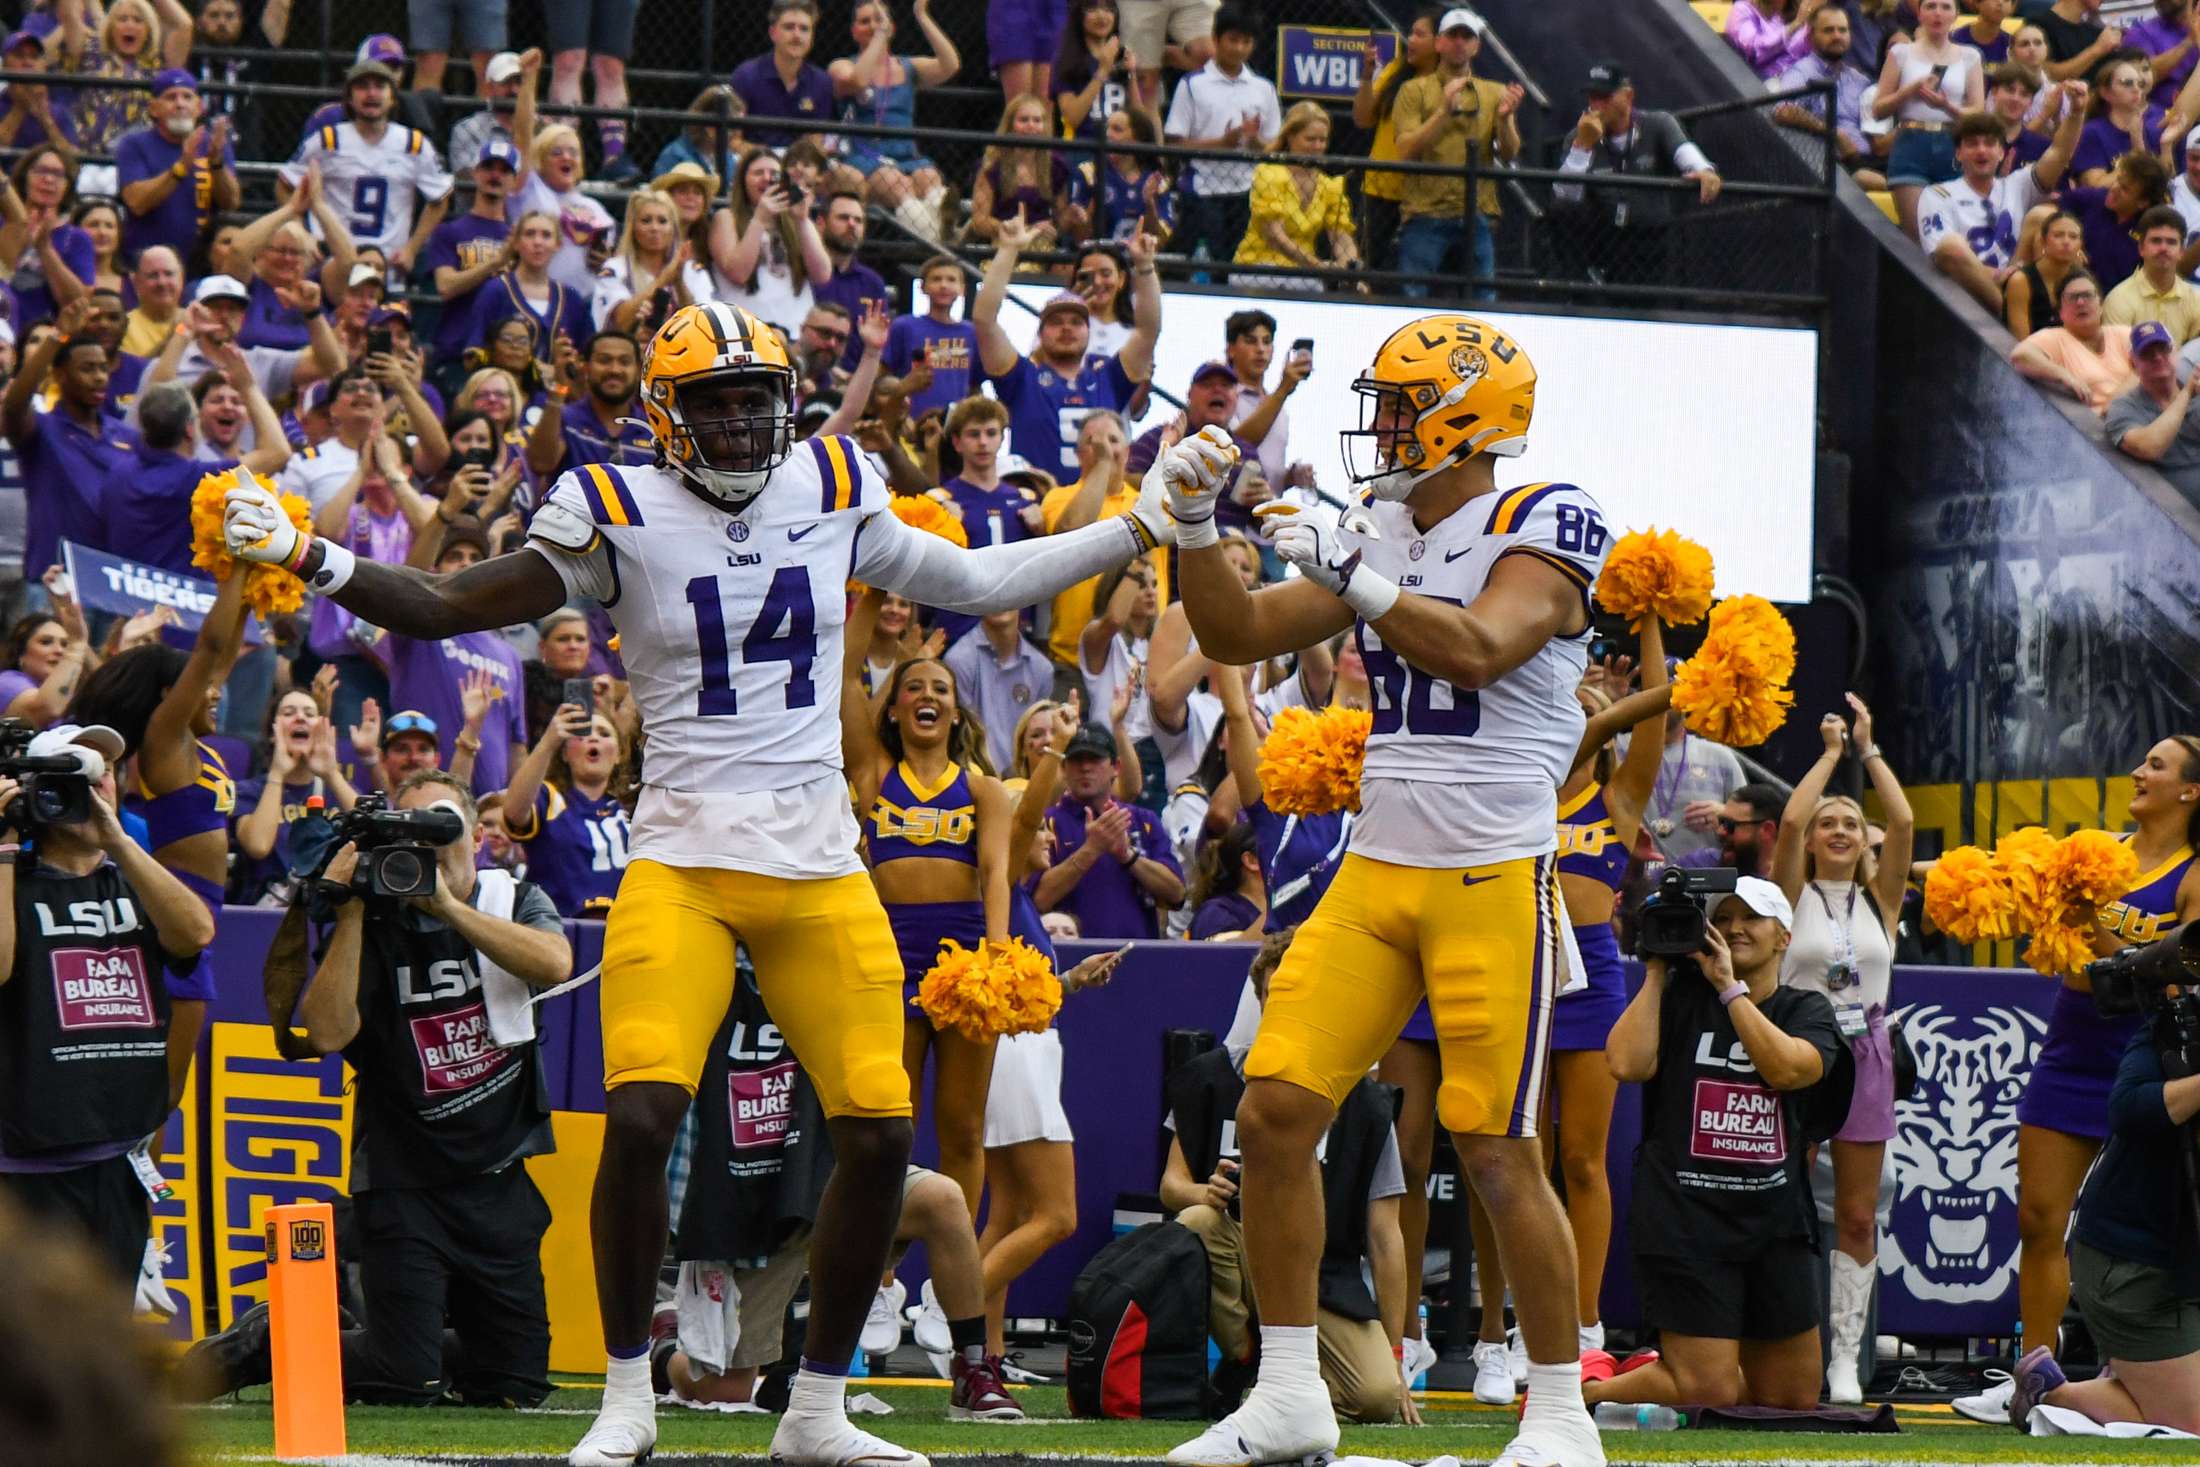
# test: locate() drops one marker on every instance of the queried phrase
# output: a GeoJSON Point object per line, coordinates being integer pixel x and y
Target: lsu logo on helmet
{"type": "Point", "coordinates": [1440, 390]}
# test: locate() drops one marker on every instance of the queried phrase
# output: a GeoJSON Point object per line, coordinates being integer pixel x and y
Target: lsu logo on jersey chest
{"type": "Point", "coordinates": [1586, 840]}
{"type": "Point", "coordinates": [923, 825]}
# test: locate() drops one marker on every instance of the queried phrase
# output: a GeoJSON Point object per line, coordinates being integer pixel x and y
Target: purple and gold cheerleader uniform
{"type": "Point", "coordinates": [202, 805]}
{"type": "Point", "coordinates": [908, 819]}
{"type": "Point", "coordinates": [2068, 1091]}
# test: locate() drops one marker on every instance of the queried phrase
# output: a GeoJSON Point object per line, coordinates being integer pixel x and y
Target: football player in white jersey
{"type": "Point", "coordinates": [371, 168]}
{"type": "Point", "coordinates": [1471, 606]}
{"type": "Point", "coordinates": [724, 568]}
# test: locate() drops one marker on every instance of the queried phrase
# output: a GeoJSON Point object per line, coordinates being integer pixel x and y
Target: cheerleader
{"type": "Point", "coordinates": [1029, 1162]}
{"type": "Point", "coordinates": [1847, 902]}
{"type": "Point", "coordinates": [565, 807]}
{"type": "Point", "coordinates": [1598, 822]}
{"type": "Point", "coordinates": [2062, 1119]}
{"type": "Point", "coordinates": [936, 823]}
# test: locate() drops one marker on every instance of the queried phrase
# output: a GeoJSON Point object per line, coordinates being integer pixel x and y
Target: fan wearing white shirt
{"type": "Point", "coordinates": [1970, 226]}
{"type": "Point", "coordinates": [1224, 104]}
{"type": "Point", "coordinates": [373, 168]}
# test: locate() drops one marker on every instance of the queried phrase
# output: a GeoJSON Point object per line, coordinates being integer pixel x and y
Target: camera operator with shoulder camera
{"type": "Point", "coordinates": [1724, 1230]}
{"type": "Point", "coordinates": [92, 929]}
{"type": "Point", "coordinates": [428, 997]}
{"type": "Point", "coordinates": [2135, 1250]}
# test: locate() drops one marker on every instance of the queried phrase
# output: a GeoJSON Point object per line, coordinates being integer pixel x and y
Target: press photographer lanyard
{"type": "Point", "coordinates": [1618, 162]}
{"type": "Point", "coordinates": [1843, 976]}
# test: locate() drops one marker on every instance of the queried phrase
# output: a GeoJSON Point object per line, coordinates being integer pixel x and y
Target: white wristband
{"type": "Point", "coordinates": [1370, 593]}
{"type": "Point", "coordinates": [337, 564]}
{"type": "Point", "coordinates": [1197, 534]}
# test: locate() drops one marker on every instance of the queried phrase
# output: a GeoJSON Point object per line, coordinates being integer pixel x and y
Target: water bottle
{"type": "Point", "coordinates": [858, 1365]}
{"type": "Point", "coordinates": [1620, 1416]}
{"type": "Point", "coordinates": [1420, 1382]}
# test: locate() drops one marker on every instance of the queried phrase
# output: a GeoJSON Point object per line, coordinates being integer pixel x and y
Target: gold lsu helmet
{"type": "Point", "coordinates": [1440, 390]}
{"type": "Point", "coordinates": [718, 397]}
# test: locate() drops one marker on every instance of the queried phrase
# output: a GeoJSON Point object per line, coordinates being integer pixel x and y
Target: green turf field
{"type": "Point", "coordinates": [244, 1431]}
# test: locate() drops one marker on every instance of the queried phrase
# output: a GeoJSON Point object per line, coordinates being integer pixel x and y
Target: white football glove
{"type": "Point", "coordinates": [1193, 471]}
{"type": "Point", "coordinates": [255, 526]}
{"type": "Point", "coordinates": [1312, 537]}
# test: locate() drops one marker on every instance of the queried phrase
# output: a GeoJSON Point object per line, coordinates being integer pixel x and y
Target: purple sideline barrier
{"type": "Point", "coordinates": [1948, 1262]}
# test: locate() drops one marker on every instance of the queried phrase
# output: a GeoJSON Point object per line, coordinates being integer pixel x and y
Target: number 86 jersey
{"type": "Point", "coordinates": [1455, 776]}
{"type": "Point", "coordinates": [730, 627]}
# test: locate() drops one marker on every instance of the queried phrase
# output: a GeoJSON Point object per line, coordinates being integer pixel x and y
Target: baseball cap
{"type": "Point", "coordinates": [1211, 369]}
{"type": "Point", "coordinates": [173, 77]}
{"type": "Point", "coordinates": [394, 311]}
{"type": "Point", "coordinates": [2150, 333]}
{"type": "Point", "coordinates": [371, 68]}
{"type": "Point", "coordinates": [1091, 738]}
{"type": "Point", "coordinates": [1459, 16]}
{"type": "Point", "coordinates": [1067, 300]}
{"type": "Point", "coordinates": [382, 47]}
{"type": "Point", "coordinates": [500, 150]}
{"type": "Point", "coordinates": [19, 39]}
{"type": "Point", "coordinates": [1607, 77]}
{"type": "Point", "coordinates": [220, 288]}
{"type": "Point", "coordinates": [465, 529]}
{"type": "Point", "coordinates": [502, 67]}
{"type": "Point", "coordinates": [1763, 898]}
{"type": "Point", "coordinates": [412, 720]}
{"type": "Point", "coordinates": [361, 272]}
{"type": "Point", "coordinates": [62, 738]}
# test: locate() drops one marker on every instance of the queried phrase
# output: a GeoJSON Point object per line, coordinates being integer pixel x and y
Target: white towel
{"type": "Point", "coordinates": [1577, 972]}
{"type": "Point", "coordinates": [509, 1000]}
{"type": "Point", "coordinates": [709, 1304]}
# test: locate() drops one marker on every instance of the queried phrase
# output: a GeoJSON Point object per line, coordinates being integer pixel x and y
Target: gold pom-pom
{"type": "Point", "coordinates": [1310, 762]}
{"type": "Point", "coordinates": [1734, 690]}
{"type": "Point", "coordinates": [2058, 948]}
{"type": "Point", "coordinates": [990, 990]}
{"type": "Point", "coordinates": [268, 589]}
{"type": "Point", "coordinates": [1653, 572]}
{"type": "Point", "coordinates": [923, 512]}
{"type": "Point", "coordinates": [2093, 866]}
{"type": "Point", "coordinates": [1967, 895]}
{"type": "Point", "coordinates": [959, 993]}
{"type": "Point", "coordinates": [2026, 859]}
{"type": "Point", "coordinates": [1028, 985]}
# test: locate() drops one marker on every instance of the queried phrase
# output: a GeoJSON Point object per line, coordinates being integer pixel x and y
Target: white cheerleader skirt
{"type": "Point", "coordinates": [1025, 1101]}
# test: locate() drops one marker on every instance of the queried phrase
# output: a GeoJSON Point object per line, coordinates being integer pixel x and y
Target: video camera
{"type": "Point", "coordinates": [1676, 916]}
{"type": "Point", "coordinates": [56, 790]}
{"type": "Point", "coordinates": [2159, 982]}
{"type": "Point", "coordinates": [394, 855]}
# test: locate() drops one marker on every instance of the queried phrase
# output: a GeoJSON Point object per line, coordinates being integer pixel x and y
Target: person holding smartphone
{"type": "Point", "coordinates": [564, 806]}
{"type": "Point", "coordinates": [1926, 85]}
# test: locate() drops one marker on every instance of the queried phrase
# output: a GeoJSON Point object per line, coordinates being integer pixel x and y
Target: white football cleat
{"type": "Point", "coordinates": [834, 1441]}
{"type": "Point", "coordinates": [1303, 1432]}
{"type": "Point", "coordinates": [1493, 1376]}
{"type": "Point", "coordinates": [928, 1324]}
{"type": "Point", "coordinates": [1990, 1405]}
{"type": "Point", "coordinates": [1419, 1356]}
{"type": "Point", "coordinates": [1569, 1442]}
{"type": "Point", "coordinates": [619, 1438]}
{"type": "Point", "coordinates": [882, 1328]}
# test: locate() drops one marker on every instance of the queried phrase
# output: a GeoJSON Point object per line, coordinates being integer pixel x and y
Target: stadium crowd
{"type": "Point", "coordinates": [2038, 154]}
{"type": "Point", "coordinates": [1103, 771]}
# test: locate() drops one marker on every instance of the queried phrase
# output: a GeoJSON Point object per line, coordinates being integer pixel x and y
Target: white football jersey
{"type": "Point", "coordinates": [730, 628]}
{"type": "Point", "coordinates": [1454, 772]}
{"type": "Point", "coordinates": [372, 184]}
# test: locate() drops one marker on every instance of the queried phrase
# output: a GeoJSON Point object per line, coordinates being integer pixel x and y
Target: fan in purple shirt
{"type": "Point", "coordinates": [41, 179]}
{"type": "Point", "coordinates": [600, 428]}
{"type": "Point", "coordinates": [1043, 392]}
{"type": "Point", "coordinates": [147, 496]}
{"type": "Point", "coordinates": [30, 117]}
{"type": "Point", "coordinates": [782, 82]}
{"type": "Point", "coordinates": [854, 285]}
{"type": "Point", "coordinates": [2168, 29]}
{"type": "Point", "coordinates": [431, 677]}
{"type": "Point", "coordinates": [1113, 868]}
{"type": "Point", "coordinates": [1209, 402]}
{"type": "Point", "coordinates": [464, 252]}
{"type": "Point", "coordinates": [65, 453]}
{"type": "Point", "coordinates": [949, 348]}
{"type": "Point", "coordinates": [175, 175]}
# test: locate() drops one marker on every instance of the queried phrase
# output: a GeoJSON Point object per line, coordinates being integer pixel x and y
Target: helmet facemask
{"type": "Point", "coordinates": [729, 431]}
{"type": "Point", "coordinates": [1389, 437]}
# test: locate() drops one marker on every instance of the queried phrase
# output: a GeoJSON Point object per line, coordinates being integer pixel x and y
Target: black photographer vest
{"type": "Point", "coordinates": [84, 1018]}
{"type": "Point", "coordinates": [1204, 1097]}
{"type": "Point", "coordinates": [437, 1100]}
{"type": "Point", "coordinates": [1646, 152]}
{"type": "Point", "coordinates": [762, 1153]}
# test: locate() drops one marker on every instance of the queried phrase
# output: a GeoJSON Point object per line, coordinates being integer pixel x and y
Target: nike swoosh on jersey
{"type": "Point", "coordinates": [1470, 879]}
{"type": "Point", "coordinates": [793, 535]}
{"type": "Point", "coordinates": [1452, 555]}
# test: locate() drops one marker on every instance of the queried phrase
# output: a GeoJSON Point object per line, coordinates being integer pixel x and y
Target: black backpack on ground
{"type": "Point", "coordinates": [1138, 1328]}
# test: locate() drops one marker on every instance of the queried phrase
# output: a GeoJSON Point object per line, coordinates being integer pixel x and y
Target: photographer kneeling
{"type": "Point", "coordinates": [2135, 1252]}
{"type": "Point", "coordinates": [427, 998]}
{"type": "Point", "coordinates": [91, 930]}
{"type": "Point", "coordinates": [1724, 1229]}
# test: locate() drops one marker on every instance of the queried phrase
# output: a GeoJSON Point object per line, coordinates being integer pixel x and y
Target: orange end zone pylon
{"type": "Point", "coordinates": [308, 1350]}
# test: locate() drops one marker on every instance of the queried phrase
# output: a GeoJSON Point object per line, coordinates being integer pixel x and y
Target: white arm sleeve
{"type": "Point", "coordinates": [936, 572]}
{"type": "Point", "coordinates": [1577, 160]}
{"type": "Point", "coordinates": [1688, 158]}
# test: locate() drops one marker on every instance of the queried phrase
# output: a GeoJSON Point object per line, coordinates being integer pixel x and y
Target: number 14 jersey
{"type": "Point", "coordinates": [730, 627]}
{"type": "Point", "coordinates": [1465, 777]}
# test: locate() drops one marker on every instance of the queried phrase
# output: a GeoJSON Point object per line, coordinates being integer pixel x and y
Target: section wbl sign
{"type": "Point", "coordinates": [1324, 62]}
